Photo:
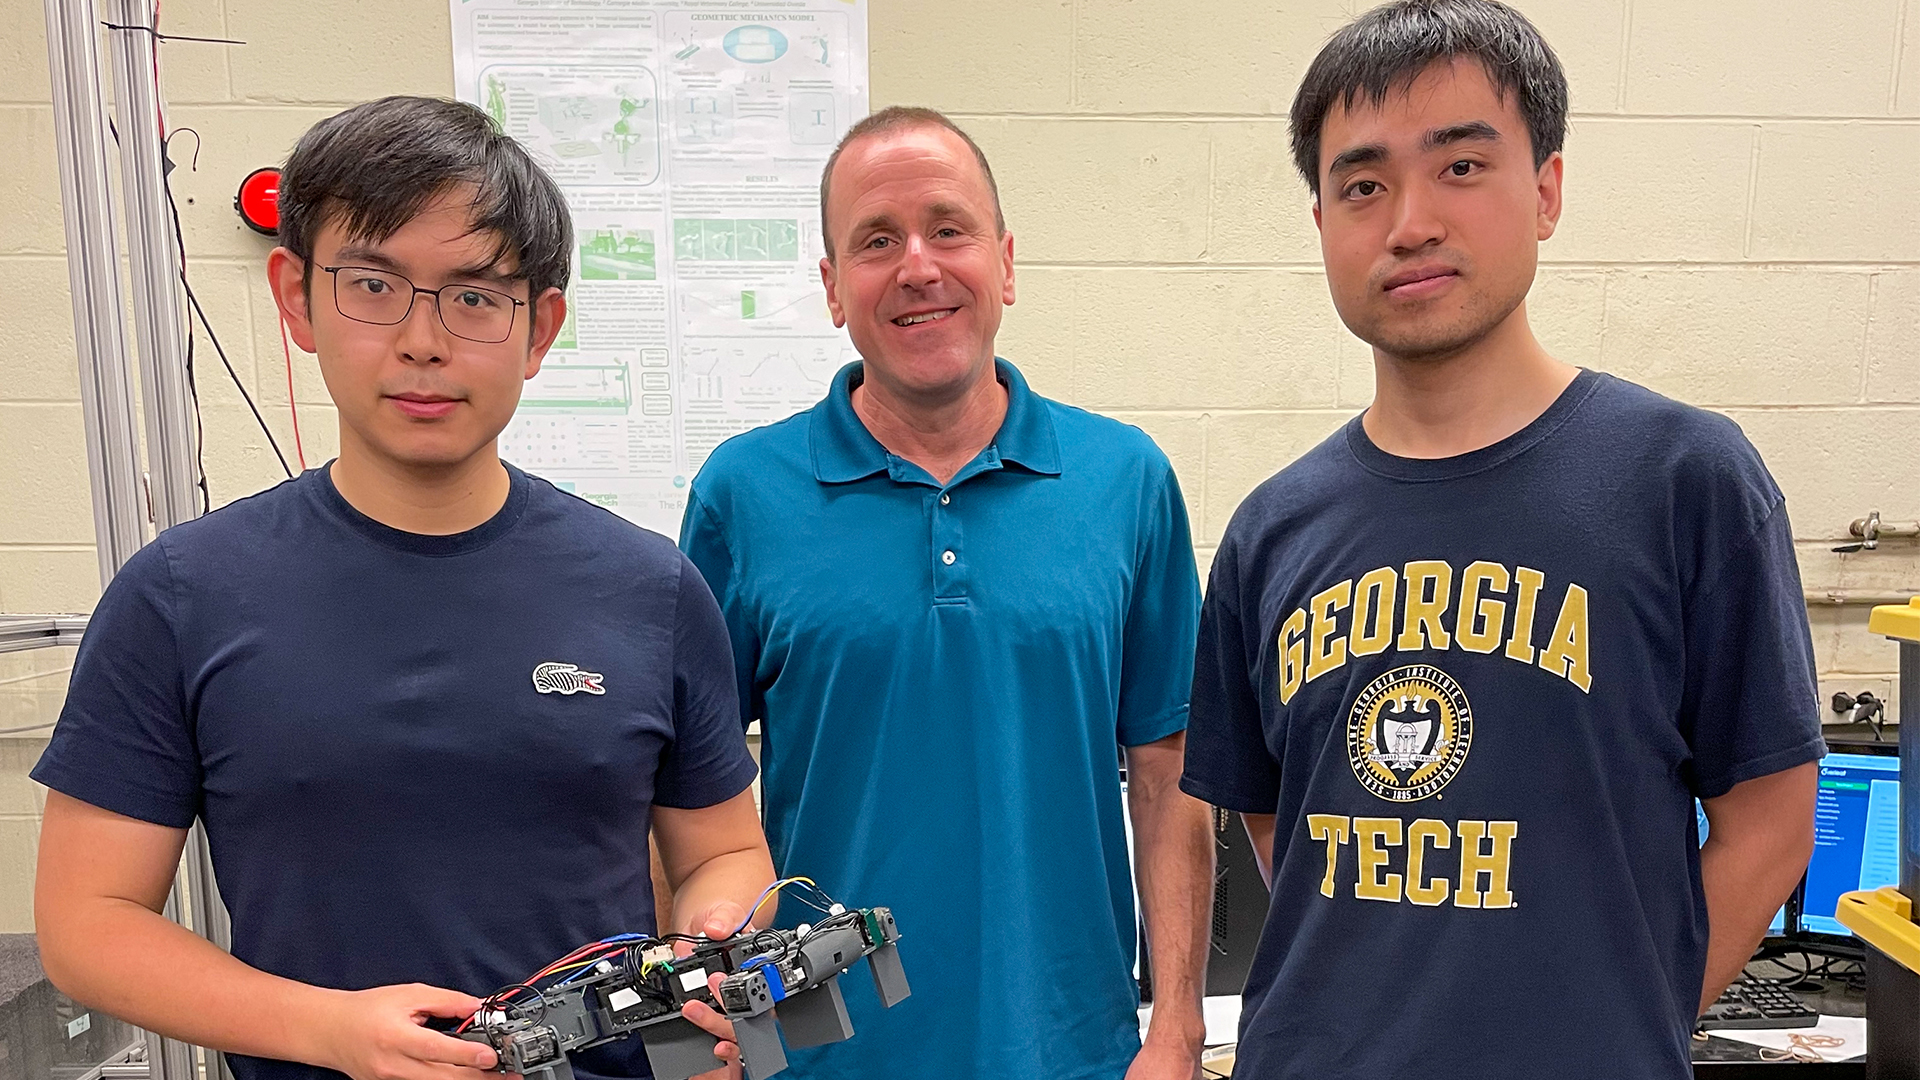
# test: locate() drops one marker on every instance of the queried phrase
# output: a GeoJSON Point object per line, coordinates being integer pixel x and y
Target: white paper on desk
{"type": "Point", "coordinates": [1222, 1015]}
{"type": "Point", "coordinates": [1851, 1029]}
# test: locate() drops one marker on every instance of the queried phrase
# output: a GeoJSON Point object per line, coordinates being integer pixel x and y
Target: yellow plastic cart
{"type": "Point", "coordinates": [1884, 918]}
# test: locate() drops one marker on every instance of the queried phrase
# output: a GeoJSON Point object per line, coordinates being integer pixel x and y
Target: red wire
{"type": "Point", "coordinates": [607, 949]}
{"type": "Point", "coordinates": [287, 349]}
{"type": "Point", "coordinates": [577, 955]}
{"type": "Point", "coordinates": [159, 108]}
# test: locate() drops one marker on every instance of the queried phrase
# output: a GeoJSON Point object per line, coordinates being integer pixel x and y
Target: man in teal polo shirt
{"type": "Point", "coordinates": [952, 602]}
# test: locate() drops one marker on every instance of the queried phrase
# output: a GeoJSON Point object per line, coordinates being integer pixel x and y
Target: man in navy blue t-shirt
{"type": "Point", "coordinates": [428, 706]}
{"type": "Point", "coordinates": [1465, 666]}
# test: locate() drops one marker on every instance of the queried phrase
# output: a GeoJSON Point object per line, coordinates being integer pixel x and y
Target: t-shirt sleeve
{"type": "Point", "coordinates": [1228, 763]}
{"type": "Point", "coordinates": [705, 542]}
{"type": "Point", "coordinates": [124, 741]}
{"type": "Point", "coordinates": [1750, 706]}
{"type": "Point", "coordinates": [1158, 651]}
{"type": "Point", "coordinates": [708, 762]}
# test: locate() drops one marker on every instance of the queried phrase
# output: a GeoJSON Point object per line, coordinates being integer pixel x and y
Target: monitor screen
{"type": "Point", "coordinates": [1778, 926]}
{"type": "Point", "coordinates": [1856, 835]}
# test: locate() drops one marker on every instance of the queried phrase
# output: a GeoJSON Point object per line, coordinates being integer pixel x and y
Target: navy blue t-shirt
{"type": "Point", "coordinates": [1480, 694]}
{"type": "Point", "coordinates": [419, 758]}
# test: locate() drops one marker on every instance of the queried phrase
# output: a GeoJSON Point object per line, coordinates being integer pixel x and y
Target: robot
{"type": "Point", "coordinates": [633, 985]}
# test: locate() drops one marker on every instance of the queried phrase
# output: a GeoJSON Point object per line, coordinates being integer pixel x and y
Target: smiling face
{"type": "Point", "coordinates": [413, 394]}
{"type": "Point", "coordinates": [1431, 212]}
{"type": "Point", "coordinates": [921, 269]}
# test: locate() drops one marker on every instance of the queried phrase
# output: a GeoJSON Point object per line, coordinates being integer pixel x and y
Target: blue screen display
{"type": "Point", "coordinates": [1779, 924]}
{"type": "Point", "coordinates": [1856, 834]}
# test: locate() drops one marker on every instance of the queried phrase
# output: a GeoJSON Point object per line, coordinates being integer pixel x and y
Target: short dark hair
{"type": "Point", "coordinates": [1388, 47]}
{"type": "Point", "coordinates": [374, 167]}
{"type": "Point", "coordinates": [899, 118]}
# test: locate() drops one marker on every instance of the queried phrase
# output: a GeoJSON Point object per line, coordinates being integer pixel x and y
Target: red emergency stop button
{"type": "Point", "coordinates": [259, 201]}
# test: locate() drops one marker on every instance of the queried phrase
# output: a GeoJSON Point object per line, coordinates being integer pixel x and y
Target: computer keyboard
{"type": "Point", "coordinates": [1750, 1003]}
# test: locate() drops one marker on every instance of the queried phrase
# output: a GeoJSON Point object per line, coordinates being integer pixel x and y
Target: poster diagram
{"type": "Point", "coordinates": [589, 126]}
{"type": "Point", "coordinates": [688, 137]}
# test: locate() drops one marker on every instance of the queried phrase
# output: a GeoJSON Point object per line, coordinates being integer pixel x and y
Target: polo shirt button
{"type": "Point", "coordinates": [947, 557]}
{"type": "Point", "coordinates": [945, 499]}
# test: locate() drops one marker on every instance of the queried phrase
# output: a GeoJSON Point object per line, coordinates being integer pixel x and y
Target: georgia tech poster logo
{"type": "Point", "coordinates": [1409, 733]}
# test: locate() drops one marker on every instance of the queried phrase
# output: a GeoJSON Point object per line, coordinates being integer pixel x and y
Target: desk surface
{"type": "Point", "coordinates": [1713, 1057]}
{"type": "Point", "coordinates": [1728, 1059]}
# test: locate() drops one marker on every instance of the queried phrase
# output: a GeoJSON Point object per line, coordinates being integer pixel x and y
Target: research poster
{"type": "Point", "coordinates": [688, 136]}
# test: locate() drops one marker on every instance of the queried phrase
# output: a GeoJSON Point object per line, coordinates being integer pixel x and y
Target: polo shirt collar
{"type": "Point", "coordinates": [845, 451]}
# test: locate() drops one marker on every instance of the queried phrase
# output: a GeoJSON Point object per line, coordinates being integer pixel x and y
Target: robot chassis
{"type": "Point", "coordinates": [639, 990]}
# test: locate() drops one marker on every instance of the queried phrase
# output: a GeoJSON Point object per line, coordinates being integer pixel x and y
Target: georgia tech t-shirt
{"type": "Point", "coordinates": [1480, 695]}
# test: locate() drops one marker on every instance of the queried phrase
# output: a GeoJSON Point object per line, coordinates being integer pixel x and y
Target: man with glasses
{"type": "Point", "coordinates": [473, 312]}
{"type": "Point", "coordinates": [427, 705]}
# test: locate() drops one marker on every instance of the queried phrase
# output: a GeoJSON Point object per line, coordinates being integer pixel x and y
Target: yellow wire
{"type": "Point", "coordinates": [774, 890]}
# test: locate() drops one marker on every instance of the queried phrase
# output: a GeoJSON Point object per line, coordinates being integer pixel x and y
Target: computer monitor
{"type": "Point", "coordinates": [1776, 928]}
{"type": "Point", "coordinates": [1856, 834]}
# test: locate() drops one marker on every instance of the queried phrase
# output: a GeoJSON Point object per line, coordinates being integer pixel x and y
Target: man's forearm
{"type": "Point", "coordinates": [1759, 837]}
{"type": "Point", "coordinates": [141, 967]}
{"type": "Point", "coordinates": [1173, 840]}
{"type": "Point", "coordinates": [662, 888]}
{"type": "Point", "coordinates": [1260, 835]}
{"type": "Point", "coordinates": [1745, 885]}
{"type": "Point", "coordinates": [713, 855]}
{"type": "Point", "coordinates": [739, 876]}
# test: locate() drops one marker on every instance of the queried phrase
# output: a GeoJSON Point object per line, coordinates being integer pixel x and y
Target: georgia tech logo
{"type": "Point", "coordinates": [1409, 733]}
{"type": "Point", "coordinates": [554, 677]}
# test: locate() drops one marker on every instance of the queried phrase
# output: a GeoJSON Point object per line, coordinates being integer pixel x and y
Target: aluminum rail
{"type": "Point", "coordinates": [20, 632]}
{"type": "Point", "coordinates": [114, 467]}
{"type": "Point", "coordinates": [93, 272]}
{"type": "Point", "coordinates": [160, 328]}
{"type": "Point", "coordinates": [153, 260]}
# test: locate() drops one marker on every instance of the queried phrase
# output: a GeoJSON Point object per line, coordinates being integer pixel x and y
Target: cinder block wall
{"type": "Point", "coordinates": [1742, 230]}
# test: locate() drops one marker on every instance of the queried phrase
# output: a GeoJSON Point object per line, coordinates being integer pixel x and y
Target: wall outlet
{"type": "Point", "coordinates": [1881, 686]}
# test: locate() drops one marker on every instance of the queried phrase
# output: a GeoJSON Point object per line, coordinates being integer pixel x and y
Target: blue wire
{"type": "Point", "coordinates": [589, 969]}
{"type": "Point", "coordinates": [748, 921]}
{"type": "Point", "coordinates": [769, 891]}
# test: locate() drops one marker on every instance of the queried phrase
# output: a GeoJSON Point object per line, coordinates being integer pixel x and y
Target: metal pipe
{"type": "Point", "coordinates": [153, 259]}
{"type": "Point", "coordinates": [93, 273]}
{"type": "Point", "coordinates": [1853, 597]}
{"type": "Point", "coordinates": [170, 1059]}
{"type": "Point", "coordinates": [210, 918]}
{"type": "Point", "coordinates": [159, 323]}
{"type": "Point", "coordinates": [100, 337]}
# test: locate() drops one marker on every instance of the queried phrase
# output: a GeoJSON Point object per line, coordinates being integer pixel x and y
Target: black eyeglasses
{"type": "Point", "coordinates": [384, 298]}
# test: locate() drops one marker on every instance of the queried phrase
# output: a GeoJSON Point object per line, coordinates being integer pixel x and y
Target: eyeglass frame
{"type": "Point", "coordinates": [438, 311]}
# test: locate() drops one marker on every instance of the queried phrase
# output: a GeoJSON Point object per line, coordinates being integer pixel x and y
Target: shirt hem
{"type": "Point", "coordinates": [142, 806]}
{"type": "Point", "coordinates": [1778, 761]}
{"type": "Point", "coordinates": [1171, 722]}
{"type": "Point", "coordinates": [1227, 800]}
{"type": "Point", "coordinates": [735, 781]}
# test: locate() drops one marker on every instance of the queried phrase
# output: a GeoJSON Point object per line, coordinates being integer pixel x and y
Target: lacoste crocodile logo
{"type": "Point", "coordinates": [553, 677]}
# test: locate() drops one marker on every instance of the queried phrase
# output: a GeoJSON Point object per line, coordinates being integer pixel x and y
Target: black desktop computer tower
{"type": "Point", "coordinates": [1239, 910]}
{"type": "Point", "coordinates": [1239, 906]}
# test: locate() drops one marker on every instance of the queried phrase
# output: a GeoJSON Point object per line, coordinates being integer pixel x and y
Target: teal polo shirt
{"type": "Point", "coordinates": [945, 675]}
